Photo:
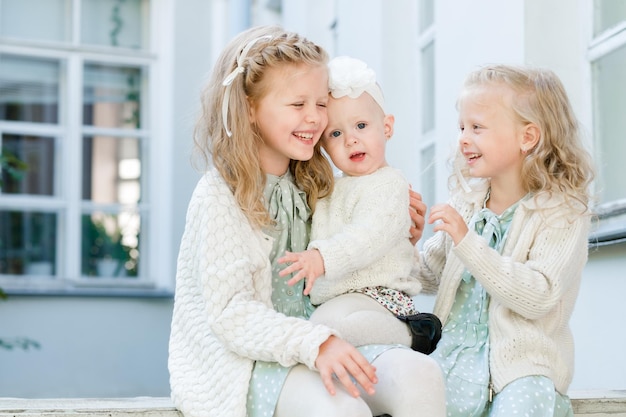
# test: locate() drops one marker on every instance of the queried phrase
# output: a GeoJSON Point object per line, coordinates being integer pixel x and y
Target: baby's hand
{"type": "Point", "coordinates": [449, 220]}
{"type": "Point", "coordinates": [307, 265]}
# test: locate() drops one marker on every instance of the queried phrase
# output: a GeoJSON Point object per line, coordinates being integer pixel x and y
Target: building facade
{"type": "Point", "coordinates": [99, 98]}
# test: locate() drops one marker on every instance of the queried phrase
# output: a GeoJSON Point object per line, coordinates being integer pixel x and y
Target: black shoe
{"type": "Point", "coordinates": [425, 329]}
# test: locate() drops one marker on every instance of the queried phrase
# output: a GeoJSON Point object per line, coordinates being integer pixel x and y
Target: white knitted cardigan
{"type": "Point", "coordinates": [362, 233]}
{"type": "Point", "coordinates": [223, 318]}
{"type": "Point", "coordinates": [533, 285]}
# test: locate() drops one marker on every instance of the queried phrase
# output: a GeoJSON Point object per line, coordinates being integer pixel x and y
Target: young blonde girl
{"type": "Point", "coordinates": [240, 343]}
{"type": "Point", "coordinates": [509, 250]}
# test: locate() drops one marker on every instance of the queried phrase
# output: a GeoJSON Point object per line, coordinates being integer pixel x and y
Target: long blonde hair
{"type": "Point", "coordinates": [236, 157]}
{"type": "Point", "coordinates": [558, 163]}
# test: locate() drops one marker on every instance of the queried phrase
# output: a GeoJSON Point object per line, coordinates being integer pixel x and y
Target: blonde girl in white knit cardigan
{"type": "Point", "coordinates": [509, 250]}
{"type": "Point", "coordinates": [240, 343]}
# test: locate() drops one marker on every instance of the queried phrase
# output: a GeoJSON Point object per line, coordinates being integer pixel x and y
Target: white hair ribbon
{"type": "Point", "coordinates": [228, 81]}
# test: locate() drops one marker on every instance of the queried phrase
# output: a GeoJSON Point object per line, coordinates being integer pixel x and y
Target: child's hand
{"type": "Point", "coordinates": [307, 265]}
{"type": "Point", "coordinates": [340, 359]}
{"type": "Point", "coordinates": [417, 210]}
{"type": "Point", "coordinates": [449, 220]}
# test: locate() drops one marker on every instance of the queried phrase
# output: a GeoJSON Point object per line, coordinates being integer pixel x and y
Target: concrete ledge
{"type": "Point", "coordinates": [599, 403]}
{"type": "Point", "coordinates": [97, 407]}
{"type": "Point", "coordinates": [585, 403]}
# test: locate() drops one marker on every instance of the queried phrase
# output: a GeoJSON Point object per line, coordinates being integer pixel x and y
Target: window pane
{"type": "Point", "coordinates": [111, 170]}
{"type": "Point", "coordinates": [29, 89]}
{"type": "Point", "coordinates": [37, 152]}
{"type": "Point", "coordinates": [610, 123]}
{"type": "Point", "coordinates": [427, 183]}
{"type": "Point", "coordinates": [27, 243]}
{"type": "Point", "coordinates": [110, 244]}
{"type": "Point", "coordinates": [426, 14]}
{"type": "Point", "coordinates": [113, 23]}
{"type": "Point", "coordinates": [112, 96]}
{"type": "Point", "coordinates": [45, 20]}
{"type": "Point", "coordinates": [607, 13]}
{"type": "Point", "coordinates": [428, 88]}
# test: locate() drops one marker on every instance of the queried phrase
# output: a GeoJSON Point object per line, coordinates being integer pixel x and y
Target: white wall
{"type": "Point", "coordinates": [89, 347]}
{"type": "Point", "coordinates": [597, 321]}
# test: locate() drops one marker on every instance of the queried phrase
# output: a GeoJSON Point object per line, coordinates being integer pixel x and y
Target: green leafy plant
{"type": "Point", "coordinates": [103, 243]}
{"type": "Point", "coordinates": [19, 343]}
{"type": "Point", "coordinates": [11, 166]}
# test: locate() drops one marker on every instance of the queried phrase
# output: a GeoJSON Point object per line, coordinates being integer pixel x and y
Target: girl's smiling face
{"type": "Point", "coordinates": [491, 136]}
{"type": "Point", "coordinates": [291, 116]}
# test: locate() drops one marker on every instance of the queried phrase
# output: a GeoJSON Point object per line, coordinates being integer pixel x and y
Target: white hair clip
{"type": "Point", "coordinates": [228, 81]}
{"type": "Point", "coordinates": [352, 77]}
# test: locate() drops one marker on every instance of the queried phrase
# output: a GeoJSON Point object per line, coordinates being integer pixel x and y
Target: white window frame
{"type": "Point", "coordinates": [611, 227]}
{"type": "Point", "coordinates": [155, 208]}
{"type": "Point", "coordinates": [427, 139]}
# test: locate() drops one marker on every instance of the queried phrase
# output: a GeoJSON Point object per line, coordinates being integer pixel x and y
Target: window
{"type": "Point", "coordinates": [426, 14]}
{"type": "Point", "coordinates": [428, 147]}
{"type": "Point", "coordinates": [73, 109]}
{"type": "Point", "coordinates": [607, 54]}
{"type": "Point", "coordinates": [427, 184]}
{"type": "Point", "coordinates": [428, 87]}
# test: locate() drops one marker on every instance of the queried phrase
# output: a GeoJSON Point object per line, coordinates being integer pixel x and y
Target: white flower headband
{"type": "Point", "coordinates": [352, 77]}
{"type": "Point", "coordinates": [228, 81]}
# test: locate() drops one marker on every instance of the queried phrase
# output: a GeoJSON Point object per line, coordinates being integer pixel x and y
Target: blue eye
{"type": "Point", "coordinates": [335, 134]}
{"type": "Point", "coordinates": [361, 125]}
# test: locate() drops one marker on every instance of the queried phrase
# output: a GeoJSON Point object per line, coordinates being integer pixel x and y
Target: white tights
{"type": "Point", "coordinates": [361, 320]}
{"type": "Point", "coordinates": [410, 384]}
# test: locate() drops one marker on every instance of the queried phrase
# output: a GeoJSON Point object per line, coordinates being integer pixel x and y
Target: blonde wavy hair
{"type": "Point", "coordinates": [236, 157]}
{"type": "Point", "coordinates": [558, 163]}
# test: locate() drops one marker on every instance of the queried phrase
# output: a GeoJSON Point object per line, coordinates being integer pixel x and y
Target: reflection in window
{"type": "Point", "coordinates": [428, 87]}
{"type": "Point", "coordinates": [29, 89]}
{"type": "Point", "coordinates": [41, 20]}
{"type": "Point", "coordinates": [110, 244]}
{"type": "Point", "coordinates": [111, 170]}
{"type": "Point", "coordinates": [426, 14]}
{"type": "Point", "coordinates": [37, 153]}
{"type": "Point", "coordinates": [111, 96]}
{"type": "Point", "coordinates": [607, 13]}
{"type": "Point", "coordinates": [116, 23]}
{"type": "Point", "coordinates": [609, 104]}
{"type": "Point", "coordinates": [428, 182]}
{"type": "Point", "coordinates": [27, 243]}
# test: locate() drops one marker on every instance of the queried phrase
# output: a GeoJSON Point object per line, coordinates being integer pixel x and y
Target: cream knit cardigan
{"type": "Point", "coordinates": [223, 318]}
{"type": "Point", "coordinates": [362, 233]}
{"type": "Point", "coordinates": [533, 285]}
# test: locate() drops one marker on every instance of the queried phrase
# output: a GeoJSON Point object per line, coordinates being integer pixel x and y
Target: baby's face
{"type": "Point", "coordinates": [356, 134]}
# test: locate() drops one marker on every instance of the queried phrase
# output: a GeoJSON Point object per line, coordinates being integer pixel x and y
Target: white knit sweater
{"type": "Point", "coordinates": [533, 285]}
{"type": "Point", "coordinates": [362, 233]}
{"type": "Point", "coordinates": [223, 318]}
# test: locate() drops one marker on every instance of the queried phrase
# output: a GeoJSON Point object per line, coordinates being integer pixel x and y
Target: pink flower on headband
{"type": "Point", "coordinates": [352, 77]}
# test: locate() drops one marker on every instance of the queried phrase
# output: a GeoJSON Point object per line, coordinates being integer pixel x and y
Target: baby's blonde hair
{"type": "Point", "coordinates": [558, 163]}
{"type": "Point", "coordinates": [236, 157]}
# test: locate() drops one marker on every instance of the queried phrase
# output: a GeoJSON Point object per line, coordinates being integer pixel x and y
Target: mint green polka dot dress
{"type": "Point", "coordinates": [287, 206]}
{"type": "Point", "coordinates": [463, 351]}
